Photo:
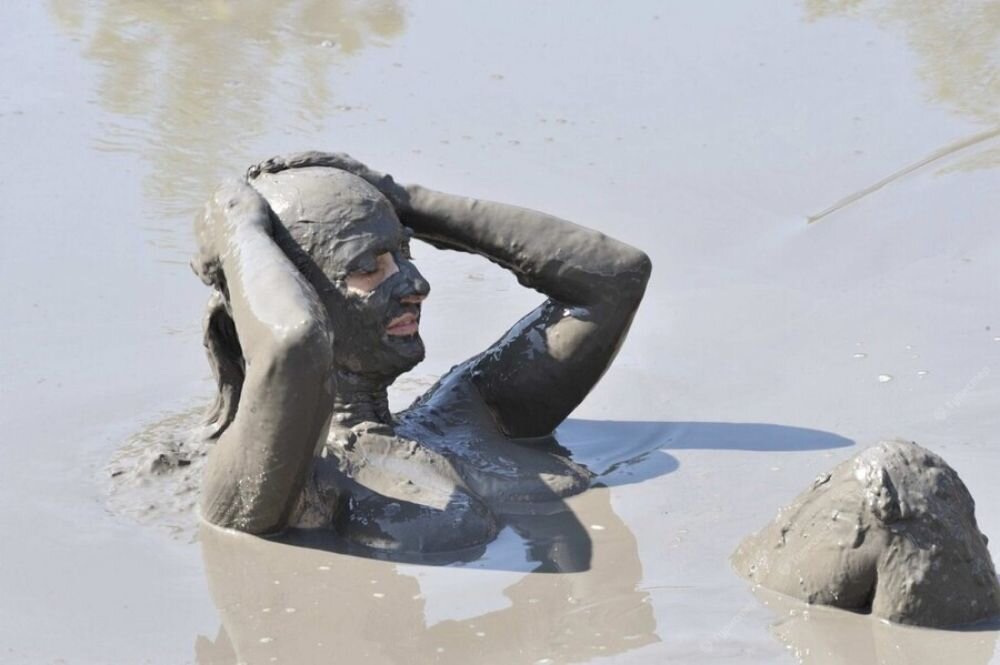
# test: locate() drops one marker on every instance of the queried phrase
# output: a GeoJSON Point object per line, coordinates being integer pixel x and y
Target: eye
{"type": "Point", "coordinates": [368, 275]}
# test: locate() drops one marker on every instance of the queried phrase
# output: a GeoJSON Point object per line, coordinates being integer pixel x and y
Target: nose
{"type": "Point", "coordinates": [417, 287]}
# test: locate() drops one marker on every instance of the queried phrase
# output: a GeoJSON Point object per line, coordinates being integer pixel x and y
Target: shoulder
{"type": "Point", "coordinates": [454, 401]}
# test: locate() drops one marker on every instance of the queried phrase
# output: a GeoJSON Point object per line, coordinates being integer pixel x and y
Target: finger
{"type": "Point", "coordinates": [237, 203]}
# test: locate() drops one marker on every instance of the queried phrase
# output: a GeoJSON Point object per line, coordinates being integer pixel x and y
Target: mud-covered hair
{"type": "Point", "coordinates": [225, 356]}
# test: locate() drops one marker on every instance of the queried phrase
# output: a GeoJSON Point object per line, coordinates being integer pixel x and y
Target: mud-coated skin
{"type": "Point", "coordinates": [440, 475]}
{"type": "Point", "coordinates": [892, 531]}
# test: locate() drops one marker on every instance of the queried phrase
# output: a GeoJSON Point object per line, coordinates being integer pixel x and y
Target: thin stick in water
{"type": "Point", "coordinates": [933, 157]}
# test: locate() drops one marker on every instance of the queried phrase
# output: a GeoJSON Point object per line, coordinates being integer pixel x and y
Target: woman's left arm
{"type": "Point", "coordinates": [544, 366]}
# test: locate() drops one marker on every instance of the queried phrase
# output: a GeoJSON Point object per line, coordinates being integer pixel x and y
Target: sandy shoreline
{"type": "Point", "coordinates": [706, 135]}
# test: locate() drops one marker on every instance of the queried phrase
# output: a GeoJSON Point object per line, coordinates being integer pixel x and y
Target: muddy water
{"type": "Point", "coordinates": [306, 604]}
{"type": "Point", "coordinates": [705, 133]}
{"type": "Point", "coordinates": [822, 636]}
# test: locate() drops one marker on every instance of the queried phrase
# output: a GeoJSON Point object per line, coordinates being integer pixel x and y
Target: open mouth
{"type": "Point", "coordinates": [403, 325]}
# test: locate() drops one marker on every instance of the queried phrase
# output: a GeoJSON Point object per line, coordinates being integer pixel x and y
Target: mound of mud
{"type": "Point", "coordinates": [154, 477]}
{"type": "Point", "coordinates": [892, 532]}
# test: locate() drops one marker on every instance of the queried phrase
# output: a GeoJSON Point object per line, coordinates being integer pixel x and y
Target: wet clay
{"type": "Point", "coordinates": [892, 532]}
{"type": "Point", "coordinates": [155, 476]}
{"type": "Point", "coordinates": [314, 314]}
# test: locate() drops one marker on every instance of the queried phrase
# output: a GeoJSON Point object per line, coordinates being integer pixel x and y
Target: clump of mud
{"type": "Point", "coordinates": [154, 478]}
{"type": "Point", "coordinates": [892, 532]}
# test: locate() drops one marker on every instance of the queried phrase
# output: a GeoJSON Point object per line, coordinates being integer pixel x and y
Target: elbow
{"type": "Point", "coordinates": [622, 284]}
{"type": "Point", "coordinates": [633, 276]}
{"type": "Point", "coordinates": [640, 265]}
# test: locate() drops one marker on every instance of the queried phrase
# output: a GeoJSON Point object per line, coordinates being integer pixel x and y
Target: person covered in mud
{"type": "Point", "coordinates": [316, 311]}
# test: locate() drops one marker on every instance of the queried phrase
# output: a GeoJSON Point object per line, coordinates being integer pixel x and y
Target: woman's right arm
{"type": "Point", "coordinates": [257, 469]}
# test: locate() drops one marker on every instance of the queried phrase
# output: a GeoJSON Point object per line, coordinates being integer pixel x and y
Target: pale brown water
{"type": "Point", "coordinates": [705, 133]}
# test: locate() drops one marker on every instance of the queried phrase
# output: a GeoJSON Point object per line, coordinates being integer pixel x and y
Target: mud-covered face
{"type": "Point", "coordinates": [375, 308]}
{"type": "Point", "coordinates": [347, 240]}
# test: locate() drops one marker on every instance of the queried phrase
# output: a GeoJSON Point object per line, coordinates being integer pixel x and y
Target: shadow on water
{"type": "Point", "coordinates": [623, 453]}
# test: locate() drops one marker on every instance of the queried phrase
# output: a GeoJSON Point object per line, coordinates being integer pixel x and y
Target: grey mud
{"type": "Point", "coordinates": [892, 532]}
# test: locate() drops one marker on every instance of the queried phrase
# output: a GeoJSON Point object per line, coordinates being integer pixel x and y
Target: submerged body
{"type": "Point", "coordinates": [317, 312]}
{"type": "Point", "coordinates": [892, 531]}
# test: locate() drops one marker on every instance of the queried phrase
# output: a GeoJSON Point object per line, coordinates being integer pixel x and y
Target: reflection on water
{"type": "Point", "coordinates": [824, 636]}
{"type": "Point", "coordinates": [305, 605]}
{"type": "Point", "coordinates": [959, 47]}
{"type": "Point", "coordinates": [190, 83]}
